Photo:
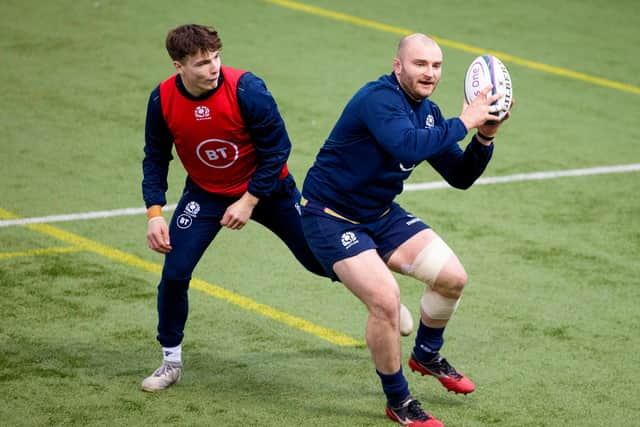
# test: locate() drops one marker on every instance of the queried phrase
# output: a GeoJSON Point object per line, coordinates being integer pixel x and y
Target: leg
{"type": "Point", "coordinates": [349, 253]}
{"type": "Point", "coordinates": [448, 280]}
{"type": "Point", "coordinates": [195, 223]}
{"type": "Point", "coordinates": [366, 276]}
{"type": "Point", "coordinates": [189, 243]}
{"type": "Point", "coordinates": [426, 257]}
{"type": "Point", "coordinates": [280, 214]}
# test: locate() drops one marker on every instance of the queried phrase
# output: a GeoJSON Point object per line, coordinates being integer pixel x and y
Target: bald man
{"type": "Point", "coordinates": [360, 235]}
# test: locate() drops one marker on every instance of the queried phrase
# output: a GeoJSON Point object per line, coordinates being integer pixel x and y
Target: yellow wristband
{"type": "Point", "coordinates": [154, 211]}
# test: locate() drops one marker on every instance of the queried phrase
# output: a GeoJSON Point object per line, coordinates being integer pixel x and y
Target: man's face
{"type": "Point", "coordinates": [418, 68]}
{"type": "Point", "coordinates": [200, 72]}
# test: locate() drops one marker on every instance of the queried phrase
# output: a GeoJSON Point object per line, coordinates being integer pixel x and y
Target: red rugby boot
{"type": "Point", "coordinates": [411, 414]}
{"type": "Point", "coordinates": [451, 379]}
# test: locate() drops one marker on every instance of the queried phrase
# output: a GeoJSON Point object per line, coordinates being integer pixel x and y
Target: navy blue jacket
{"type": "Point", "coordinates": [262, 118]}
{"type": "Point", "coordinates": [381, 136]}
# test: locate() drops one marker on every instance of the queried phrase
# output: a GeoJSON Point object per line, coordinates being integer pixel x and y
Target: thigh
{"type": "Point", "coordinates": [281, 215]}
{"type": "Point", "coordinates": [332, 239]}
{"type": "Point", "coordinates": [368, 278]}
{"type": "Point", "coordinates": [405, 254]}
{"type": "Point", "coordinates": [395, 229]}
{"type": "Point", "coordinates": [195, 223]}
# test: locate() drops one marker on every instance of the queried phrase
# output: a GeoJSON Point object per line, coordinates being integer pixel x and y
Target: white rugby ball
{"type": "Point", "coordinates": [488, 70]}
{"type": "Point", "coordinates": [406, 321]}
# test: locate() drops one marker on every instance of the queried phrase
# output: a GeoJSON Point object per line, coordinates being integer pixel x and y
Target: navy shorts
{"type": "Point", "coordinates": [332, 238]}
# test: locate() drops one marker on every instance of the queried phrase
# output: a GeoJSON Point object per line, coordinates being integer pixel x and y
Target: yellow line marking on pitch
{"type": "Point", "coordinates": [505, 57]}
{"type": "Point", "coordinates": [42, 251]}
{"type": "Point", "coordinates": [301, 324]}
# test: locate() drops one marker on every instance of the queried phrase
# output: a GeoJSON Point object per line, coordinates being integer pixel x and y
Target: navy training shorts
{"type": "Point", "coordinates": [333, 238]}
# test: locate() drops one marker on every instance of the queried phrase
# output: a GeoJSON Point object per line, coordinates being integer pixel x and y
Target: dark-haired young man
{"type": "Point", "coordinates": [229, 135]}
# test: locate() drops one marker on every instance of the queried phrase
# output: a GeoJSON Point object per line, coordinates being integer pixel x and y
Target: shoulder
{"type": "Point", "coordinates": [252, 92]}
{"type": "Point", "coordinates": [255, 101]}
{"type": "Point", "coordinates": [383, 84]}
{"type": "Point", "coordinates": [165, 89]}
{"type": "Point", "coordinates": [155, 93]}
{"type": "Point", "coordinates": [168, 83]}
{"type": "Point", "coordinates": [251, 83]}
{"type": "Point", "coordinates": [231, 73]}
{"type": "Point", "coordinates": [378, 95]}
{"type": "Point", "coordinates": [242, 78]}
{"type": "Point", "coordinates": [384, 90]}
{"type": "Point", "coordinates": [154, 99]}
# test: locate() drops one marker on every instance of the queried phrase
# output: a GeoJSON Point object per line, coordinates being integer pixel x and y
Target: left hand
{"type": "Point", "coordinates": [492, 130]}
{"type": "Point", "coordinates": [238, 213]}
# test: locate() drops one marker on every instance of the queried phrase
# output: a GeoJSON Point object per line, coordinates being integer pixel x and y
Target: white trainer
{"type": "Point", "coordinates": [166, 375]}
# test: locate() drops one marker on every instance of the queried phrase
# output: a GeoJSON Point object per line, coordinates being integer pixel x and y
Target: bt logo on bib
{"type": "Point", "coordinates": [217, 153]}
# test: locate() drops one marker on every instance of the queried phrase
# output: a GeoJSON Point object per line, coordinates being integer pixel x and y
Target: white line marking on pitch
{"type": "Point", "coordinates": [534, 176]}
{"type": "Point", "coordinates": [531, 176]}
{"type": "Point", "coordinates": [79, 216]}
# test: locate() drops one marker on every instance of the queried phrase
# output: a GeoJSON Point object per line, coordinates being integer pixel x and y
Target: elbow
{"type": "Point", "coordinates": [460, 184]}
{"type": "Point", "coordinates": [461, 181]}
{"type": "Point", "coordinates": [407, 157]}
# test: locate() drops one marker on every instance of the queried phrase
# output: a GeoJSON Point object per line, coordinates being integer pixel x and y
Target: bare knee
{"type": "Point", "coordinates": [385, 308]}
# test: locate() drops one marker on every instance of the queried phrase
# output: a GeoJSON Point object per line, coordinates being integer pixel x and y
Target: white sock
{"type": "Point", "coordinates": [172, 354]}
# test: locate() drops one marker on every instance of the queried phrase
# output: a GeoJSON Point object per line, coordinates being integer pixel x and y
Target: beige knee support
{"type": "Point", "coordinates": [438, 307]}
{"type": "Point", "coordinates": [430, 261]}
{"type": "Point", "coordinates": [426, 267]}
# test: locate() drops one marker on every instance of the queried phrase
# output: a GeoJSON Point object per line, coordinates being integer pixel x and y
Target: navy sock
{"type": "Point", "coordinates": [429, 341]}
{"type": "Point", "coordinates": [395, 387]}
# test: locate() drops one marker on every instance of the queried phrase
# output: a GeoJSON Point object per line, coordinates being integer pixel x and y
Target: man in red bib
{"type": "Point", "coordinates": [232, 141]}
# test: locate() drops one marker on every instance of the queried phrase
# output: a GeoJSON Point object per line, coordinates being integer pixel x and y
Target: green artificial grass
{"type": "Point", "coordinates": [548, 323]}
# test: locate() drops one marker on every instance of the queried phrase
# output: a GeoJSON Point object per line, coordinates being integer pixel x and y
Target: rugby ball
{"type": "Point", "coordinates": [406, 321]}
{"type": "Point", "coordinates": [488, 70]}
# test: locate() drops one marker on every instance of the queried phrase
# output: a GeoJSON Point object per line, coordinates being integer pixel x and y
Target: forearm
{"type": "Point", "coordinates": [432, 141]}
{"type": "Point", "coordinates": [154, 182]}
{"type": "Point", "coordinates": [249, 200]}
{"type": "Point", "coordinates": [461, 169]}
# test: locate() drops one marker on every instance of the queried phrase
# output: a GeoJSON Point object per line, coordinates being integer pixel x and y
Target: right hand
{"type": "Point", "coordinates": [158, 235]}
{"type": "Point", "coordinates": [477, 113]}
{"type": "Point", "coordinates": [239, 212]}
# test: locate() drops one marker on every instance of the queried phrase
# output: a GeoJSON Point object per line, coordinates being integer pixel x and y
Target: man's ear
{"type": "Point", "coordinates": [397, 65]}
